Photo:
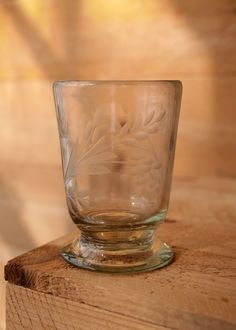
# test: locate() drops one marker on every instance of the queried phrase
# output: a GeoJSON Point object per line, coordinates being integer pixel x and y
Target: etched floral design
{"type": "Point", "coordinates": [100, 151]}
{"type": "Point", "coordinates": [142, 126]}
{"type": "Point", "coordinates": [93, 158]}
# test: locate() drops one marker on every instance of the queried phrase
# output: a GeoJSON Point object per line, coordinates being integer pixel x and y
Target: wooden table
{"type": "Point", "coordinates": [197, 291]}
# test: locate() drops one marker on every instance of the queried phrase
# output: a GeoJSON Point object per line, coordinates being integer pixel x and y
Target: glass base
{"type": "Point", "coordinates": [118, 252]}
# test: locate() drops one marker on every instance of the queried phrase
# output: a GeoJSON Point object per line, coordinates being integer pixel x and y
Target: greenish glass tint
{"type": "Point", "coordinates": [117, 144]}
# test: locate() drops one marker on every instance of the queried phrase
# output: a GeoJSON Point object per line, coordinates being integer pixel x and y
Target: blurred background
{"type": "Point", "coordinates": [45, 40]}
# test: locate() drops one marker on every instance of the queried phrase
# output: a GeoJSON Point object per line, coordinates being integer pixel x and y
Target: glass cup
{"type": "Point", "coordinates": [117, 144]}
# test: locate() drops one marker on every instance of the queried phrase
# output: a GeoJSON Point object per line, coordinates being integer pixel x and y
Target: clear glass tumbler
{"type": "Point", "coordinates": [117, 144]}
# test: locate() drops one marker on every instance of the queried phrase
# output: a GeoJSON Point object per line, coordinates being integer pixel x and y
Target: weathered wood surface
{"type": "Point", "coordinates": [197, 291]}
{"type": "Point", "coordinates": [35, 310]}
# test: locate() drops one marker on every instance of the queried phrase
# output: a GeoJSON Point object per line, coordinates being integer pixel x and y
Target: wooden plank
{"type": "Point", "coordinates": [188, 294]}
{"type": "Point", "coordinates": [198, 291]}
{"type": "Point", "coordinates": [34, 310]}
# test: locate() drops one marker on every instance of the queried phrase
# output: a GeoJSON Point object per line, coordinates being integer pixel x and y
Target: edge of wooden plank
{"type": "Point", "coordinates": [28, 308]}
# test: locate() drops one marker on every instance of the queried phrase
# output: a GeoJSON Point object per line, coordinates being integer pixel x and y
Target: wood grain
{"type": "Point", "coordinates": [198, 291]}
{"type": "Point", "coordinates": [28, 309]}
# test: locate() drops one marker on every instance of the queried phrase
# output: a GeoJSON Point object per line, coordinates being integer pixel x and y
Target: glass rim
{"type": "Point", "coordinates": [115, 82]}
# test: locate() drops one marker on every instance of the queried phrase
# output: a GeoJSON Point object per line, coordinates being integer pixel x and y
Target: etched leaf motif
{"type": "Point", "coordinates": [83, 193]}
{"type": "Point", "coordinates": [98, 132]}
{"type": "Point", "coordinates": [140, 135]}
{"type": "Point", "coordinates": [93, 162]}
{"type": "Point", "coordinates": [145, 124]}
{"type": "Point", "coordinates": [149, 117]}
{"type": "Point", "coordinates": [155, 123]}
{"type": "Point", "coordinates": [99, 154]}
{"type": "Point", "coordinates": [88, 130]}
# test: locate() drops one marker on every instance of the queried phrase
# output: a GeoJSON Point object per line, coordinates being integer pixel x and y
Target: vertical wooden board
{"type": "Point", "coordinates": [28, 309]}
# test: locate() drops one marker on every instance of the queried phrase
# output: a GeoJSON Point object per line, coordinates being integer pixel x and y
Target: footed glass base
{"type": "Point", "coordinates": [119, 252]}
